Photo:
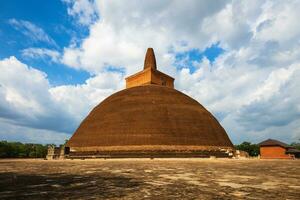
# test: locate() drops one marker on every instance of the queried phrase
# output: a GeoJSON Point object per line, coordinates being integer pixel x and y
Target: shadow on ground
{"type": "Point", "coordinates": [57, 186]}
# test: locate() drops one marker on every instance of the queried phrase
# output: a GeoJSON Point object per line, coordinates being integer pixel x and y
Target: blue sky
{"type": "Point", "coordinates": [196, 55]}
{"type": "Point", "coordinates": [52, 18]}
{"type": "Point", "coordinates": [61, 58]}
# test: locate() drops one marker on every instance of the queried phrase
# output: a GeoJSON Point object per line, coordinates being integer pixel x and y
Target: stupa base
{"type": "Point", "coordinates": [150, 154]}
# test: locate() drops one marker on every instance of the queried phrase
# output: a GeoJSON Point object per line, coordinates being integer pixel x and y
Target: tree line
{"type": "Point", "coordinates": [20, 150]}
{"type": "Point", "coordinates": [27, 150]}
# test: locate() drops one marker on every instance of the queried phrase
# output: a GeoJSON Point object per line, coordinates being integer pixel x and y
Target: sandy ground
{"type": "Point", "coordinates": [150, 179]}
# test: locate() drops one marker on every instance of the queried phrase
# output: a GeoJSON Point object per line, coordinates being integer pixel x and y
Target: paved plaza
{"type": "Point", "coordinates": [150, 179]}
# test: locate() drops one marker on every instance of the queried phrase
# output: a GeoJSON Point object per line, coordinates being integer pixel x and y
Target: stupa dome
{"type": "Point", "coordinates": [149, 118]}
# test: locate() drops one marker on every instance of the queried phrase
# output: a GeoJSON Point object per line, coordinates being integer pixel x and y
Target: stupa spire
{"type": "Point", "coordinates": [149, 75]}
{"type": "Point", "coordinates": [150, 61]}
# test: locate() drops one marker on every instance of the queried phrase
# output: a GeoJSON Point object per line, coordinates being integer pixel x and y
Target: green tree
{"type": "Point", "coordinates": [251, 149]}
{"type": "Point", "coordinates": [296, 145]}
{"type": "Point", "coordinates": [3, 149]}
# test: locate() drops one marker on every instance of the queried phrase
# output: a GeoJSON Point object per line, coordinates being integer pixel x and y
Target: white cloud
{"type": "Point", "coordinates": [277, 22]}
{"type": "Point", "coordinates": [228, 27]}
{"type": "Point", "coordinates": [250, 100]}
{"type": "Point", "coordinates": [84, 10]}
{"type": "Point", "coordinates": [14, 132]}
{"type": "Point", "coordinates": [41, 53]}
{"type": "Point", "coordinates": [125, 30]}
{"type": "Point", "coordinates": [25, 98]}
{"type": "Point", "coordinates": [29, 103]}
{"type": "Point", "coordinates": [32, 31]}
{"type": "Point", "coordinates": [275, 102]}
{"type": "Point", "coordinates": [80, 99]}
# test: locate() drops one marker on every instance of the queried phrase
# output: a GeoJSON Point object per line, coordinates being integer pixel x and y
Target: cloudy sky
{"type": "Point", "coordinates": [240, 59]}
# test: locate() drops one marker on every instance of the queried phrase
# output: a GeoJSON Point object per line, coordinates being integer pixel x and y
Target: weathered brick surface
{"type": "Point", "coordinates": [150, 115]}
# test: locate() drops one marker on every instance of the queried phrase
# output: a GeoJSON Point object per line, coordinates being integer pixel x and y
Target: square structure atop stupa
{"type": "Point", "coordinates": [150, 74]}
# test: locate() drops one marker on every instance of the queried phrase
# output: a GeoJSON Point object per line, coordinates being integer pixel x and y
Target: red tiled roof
{"type": "Point", "coordinates": [271, 142]}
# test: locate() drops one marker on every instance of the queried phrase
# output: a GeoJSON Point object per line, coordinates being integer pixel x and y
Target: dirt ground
{"type": "Point", "coordinates": [150, 179]}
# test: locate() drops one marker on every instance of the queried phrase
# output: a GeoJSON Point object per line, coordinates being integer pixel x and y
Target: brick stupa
{"type": "Point", "coordinates": [149, 119]}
